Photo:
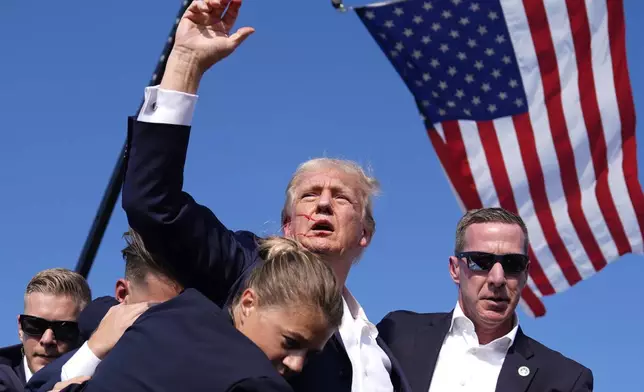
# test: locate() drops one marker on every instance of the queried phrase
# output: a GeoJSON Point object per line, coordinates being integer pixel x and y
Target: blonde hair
{"type": "Point", "coordinates": [368, 187]}
{"type": "Point", "coordinates": [488, 215]}
{"type": "Point", "coordinates": [61, 281]}
{"type": "Point", "coordinates": [292, 276]}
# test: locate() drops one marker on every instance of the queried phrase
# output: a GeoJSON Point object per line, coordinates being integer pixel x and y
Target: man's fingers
{"type": "Point", "coordinates": [241, 35]}
{"type": "Point", "coordinates": [230, 16]}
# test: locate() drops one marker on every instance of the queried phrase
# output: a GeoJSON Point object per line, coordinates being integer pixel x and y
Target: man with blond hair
{"type": "Point", "coordinates": [47, 328]}
{"type": "Point", "coordinates": [328, 208]}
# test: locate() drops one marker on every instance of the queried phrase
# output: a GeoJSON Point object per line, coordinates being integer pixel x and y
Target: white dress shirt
{"type": "Point", "coordinates": [82, 363]}
{"type": "Point", "coordinates": [28, 373]}
{"type": "Point", "coordinates": [371, 366]}
{"type": "Point", "coordinates": [463, 364]}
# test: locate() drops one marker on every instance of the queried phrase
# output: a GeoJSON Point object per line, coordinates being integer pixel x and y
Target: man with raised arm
{"type": "Point", "coordinates": [328, 208]}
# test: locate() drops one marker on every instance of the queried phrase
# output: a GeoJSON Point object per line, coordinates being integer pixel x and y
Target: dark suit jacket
{"type": "Point", "coordinates": [416, 340]}
{"type": "Point", "coordinates": [88, 320]}
{"type": "Point", "coordinates": [185, 344]}
{"type": "Point", "coordinates": [198, 250]}
{"type": "Point", "coordinates": [12, 371]}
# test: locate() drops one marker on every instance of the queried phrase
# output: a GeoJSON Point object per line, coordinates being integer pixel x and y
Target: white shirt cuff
{"type": "Point", "coordinates": [83, 363]}
{"type": "Point", "coordinates": [167, 107]}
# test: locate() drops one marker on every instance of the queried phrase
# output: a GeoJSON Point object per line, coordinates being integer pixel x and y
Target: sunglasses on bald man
{"type": "Point", "coordinates": [512, 263]}
{"type": "Point", "coordinates": [66, 331]}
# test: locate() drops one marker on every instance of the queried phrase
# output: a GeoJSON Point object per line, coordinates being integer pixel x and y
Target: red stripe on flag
{"type": "Point", "coordinates": [535, 304]}
{"type": "Point", "coordinates": [503, 187]}
{"type": "Point", "coordinates": [537, 186]}
{"type": "Point", "coordinates": [616, 35]}
{"type": "Point", "coordinates": [580, 27]}
{"type": "Point", "coordinates": [540, 30]}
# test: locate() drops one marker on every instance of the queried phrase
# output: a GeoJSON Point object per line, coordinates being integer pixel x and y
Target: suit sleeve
{"type": "Point", "coordinates": [585, 382]}
{"type": "Point", "coordinates": [260, 384]}
{"type": "Point", "coordinates": [184, 236]}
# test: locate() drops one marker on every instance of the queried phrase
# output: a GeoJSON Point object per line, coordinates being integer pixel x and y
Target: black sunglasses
{"type": "Point", "coordinates": [66, 331]}
{"type": "Point", "coordinates": [512, 263]}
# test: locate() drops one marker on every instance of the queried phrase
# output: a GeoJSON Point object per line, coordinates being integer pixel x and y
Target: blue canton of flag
{"type": "Point", "coordinates": [455, 56]}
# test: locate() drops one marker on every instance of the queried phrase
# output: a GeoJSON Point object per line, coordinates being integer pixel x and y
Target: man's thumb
{"type": "Point", "coordinates": [241, 35]}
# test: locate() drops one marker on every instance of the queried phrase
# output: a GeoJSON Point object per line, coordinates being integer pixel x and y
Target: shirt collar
{"type": "Point", "coordinates": [28, 373]}
{"type": "Point", "coordinates": [460, 323]}
{"type": "Point", "coordinates": [353, 312]}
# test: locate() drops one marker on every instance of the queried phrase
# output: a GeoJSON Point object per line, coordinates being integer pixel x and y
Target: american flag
{"type": "Point", "coordinates": [528, 106]}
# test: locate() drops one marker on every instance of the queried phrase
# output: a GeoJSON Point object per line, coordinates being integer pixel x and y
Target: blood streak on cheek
{"type": "Point", "coordinates": [309, 218]}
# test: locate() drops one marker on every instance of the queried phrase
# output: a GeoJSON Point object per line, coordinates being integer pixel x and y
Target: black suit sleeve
{"type": "Point", "coordinates": [186, 237]}
{"type": "Point", "coordinates": [260, 384]}
{"type": "Point", "coordinates": [584, 383]}
{"type": "Point", "coordinates": [387, 328]}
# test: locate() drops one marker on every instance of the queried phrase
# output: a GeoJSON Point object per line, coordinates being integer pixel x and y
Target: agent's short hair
{"type": "Point", "coordinates": [61, 282]}
{"type": "Point", "coordinates": [292, 276]}
{"type": "Point", "coordinates": [139, 262]}
{"type": "Point", "coordinates": [488, 215]}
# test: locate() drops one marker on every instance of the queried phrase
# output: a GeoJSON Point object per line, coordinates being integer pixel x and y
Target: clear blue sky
{"type": "Point", "coordinates": [310, 82]}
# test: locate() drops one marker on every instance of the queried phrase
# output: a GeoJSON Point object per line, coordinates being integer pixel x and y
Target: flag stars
{"type": "Point", "coordinates": [393, 53]}
{"type": "Point", "coordinates": [418, 19]}
{"type": "Point", "coordinates": [471, 43]}
{"type": "Point", "coordinates": [446, 14]}
{"type": "Point", "coordinates": [434, 63]}
{"type": "Point", "coordinates": [428, 6]}
{"type": "Point", "coordinates": [457, 2]}
{"type": "Point", "coordinates": [491, 108]}
{"type": "Point", "coordinates": [451, 104]}
{"type": "Point", "coordinates": [496, 73]}
{"type": "Point", "coordinates": [442, 112]}
{"type": "Point", "coordinates": [417, 54]}
{"type": "Point", "coordinates": [399, 46]}
{"type": "Point", "coordinates": [467, 112]}
{"type": "Point", "coordinates": [518, 102]}
{"type": "Point", "coordinates": [459, 93]}
{"type": "Point", "coordinates": [503, 96]}
{"type": "Point", "coordinates": [442, 85]}
{"type": "Point", "coordinates": [419, 83]}
{"type": "Point", "coordinates": [461, 56]}
{"type": "Point", "coordinates": [383, 36]}
{"type": "Point", "coordinates": [452, 71]}
{"type": "Point", "coordinates": [425, 103]}
{"type": "Point", "coordinates": [482, 30]}
{"type": "Point", "coordinates": [493, 15]}
{"type": "Point", "coordinates": [486, 87]}
{"type": "Point", "coordinates": [454, 34]}
{"type": "Point", "coordinates": [436, 26]}
{"type": "Point", "coordinates": [398, 11]}
{"type": "Point", "coordinates": [500, 39]}
{"type": "Point", "coordinates": [469, 78]}
{"type": "Point", "coordinates": [475, 7]}
{"type": "Point", "coordinates": [489, 51]}
{"type": "Point", "coordinates": [427, 77]}
{"type": "Point", "coordinates": [370, 15]}
{"type": "Point", "coordinates": [444, 48]}
{"type": "Point", "coordinates": [464, 21]}
{"type": "Point", "coordinates": [476, 101]}
{"type": "Point", "coordinates": [410, 65]}
{"type": "Point", "coordinates": [513, 83]}
{"type": "Point", "coordinates": [408, 32]}
{"type": "Point", "coordinates": [435, 94]}
{"type": "Point", "coordinates": [478, 64]}
{"type": "Point", "coordinates": [389, 24]}
{"type": "Point", "coordinates": [426, 39]}
{"type": "Point", "coordinates": [506, 59]}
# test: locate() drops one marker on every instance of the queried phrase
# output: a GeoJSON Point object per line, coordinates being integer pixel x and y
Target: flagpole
{"type": "Point", "coordinates": [108, 202]}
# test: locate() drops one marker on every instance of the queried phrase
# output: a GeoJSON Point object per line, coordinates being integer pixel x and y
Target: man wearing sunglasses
{"type": "Point", "coordinates": [47, 328]}
{"type": "Point", "coordinates": [479, 345]}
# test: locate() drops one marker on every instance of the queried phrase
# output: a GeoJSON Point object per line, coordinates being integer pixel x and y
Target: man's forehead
{"type": "Point", "coordinates": [50, 306]}
{"type": "Point", "coordinates": [327, 177]}
{"type": "Point", "coordinates": [481, 233]}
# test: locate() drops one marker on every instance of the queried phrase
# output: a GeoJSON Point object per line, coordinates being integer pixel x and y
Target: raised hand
{"type": "Point", "coordinates": [205, 30]}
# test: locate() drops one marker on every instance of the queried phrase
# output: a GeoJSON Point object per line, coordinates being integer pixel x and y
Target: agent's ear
{"type": "Point", "coordinates": [454, 269]}
{"type": "Point", "coordinates": [247, 303]}
{"type": "Point", "coordinates": [365, 240]}
{"type": "Point", "coordinates": [122, 290]}
{"type": "Point", "coordinates": [21, 335]}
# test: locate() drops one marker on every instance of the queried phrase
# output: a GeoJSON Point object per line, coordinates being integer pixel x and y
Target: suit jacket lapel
{"type": "Point", "coordinates": [398, 378]}
{"type": "Point", "coordinates": [427, 345]}
{"type": "Point", "coordinates": [518, 369]}
{"type": "Point", "coordinates": [20, 370]}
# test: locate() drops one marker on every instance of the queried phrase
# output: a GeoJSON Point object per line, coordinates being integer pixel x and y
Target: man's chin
{"type": "Point", "coordinates": [319, 245]}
